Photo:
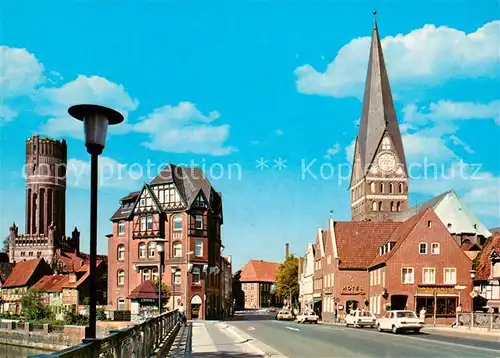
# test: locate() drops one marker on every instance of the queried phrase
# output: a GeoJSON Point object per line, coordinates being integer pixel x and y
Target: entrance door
{"type": "Point", "coordinates": [399, 302]}
{"type": "Point", "coordinates": [195, 307]}
{"type": "Point", "coordinates": [351, 305]}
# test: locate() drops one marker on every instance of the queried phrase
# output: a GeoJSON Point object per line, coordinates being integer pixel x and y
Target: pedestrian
{"type": "Point", "coordinates": [422, 314]}
{"type": "Point", "coordinates": [182, 314]}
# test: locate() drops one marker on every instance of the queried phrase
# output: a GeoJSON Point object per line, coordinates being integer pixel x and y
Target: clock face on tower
{"type": "Point", "coordinates": [387, 162]}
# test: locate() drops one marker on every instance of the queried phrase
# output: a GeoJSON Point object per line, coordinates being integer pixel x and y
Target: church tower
{"type": "Point", "coordinates": [379, 179]}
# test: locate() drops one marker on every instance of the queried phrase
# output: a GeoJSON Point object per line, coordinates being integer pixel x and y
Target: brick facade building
{"type": "Point", "coordinates": [182, 207]}
{"type": "Point", "coordinates": [257, 279]}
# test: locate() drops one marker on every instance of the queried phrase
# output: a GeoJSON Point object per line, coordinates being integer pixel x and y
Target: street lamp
{"type": "Point", "coordinates": [472, 277]}
{"type": "Point", "coordinates": [160, 248]}
{"type": "Point", "coordinates": [174, 270]}
{"type": "Point", "coordinates": [187, 281]}
{"type": "Point", "coordinates": [95, 121]}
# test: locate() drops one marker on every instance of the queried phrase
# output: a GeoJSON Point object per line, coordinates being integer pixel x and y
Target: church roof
{"type": "Point", "coordinates": [378, 115]}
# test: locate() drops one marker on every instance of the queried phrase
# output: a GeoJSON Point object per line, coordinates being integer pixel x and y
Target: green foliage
{"type": "Point", "coordinates": [287, 281]}
{"type": "Point", "coordinates": [71, 317]}
{"type": "Point", "coordinates": [33, 308]}
{"type": "Point", "coordinates": [6, 245]}
{"type": "Point", "coordinates": [101, 314]}
{"type": "Point", "coordinates": [165, 290]}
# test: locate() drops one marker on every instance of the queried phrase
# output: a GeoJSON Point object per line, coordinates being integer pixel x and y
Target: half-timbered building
{"type": "Point", "coordinates": [180, 206]}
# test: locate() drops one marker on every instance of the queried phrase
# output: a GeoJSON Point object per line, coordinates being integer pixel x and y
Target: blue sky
{"type": "Point", "coordinates": [225, 83]}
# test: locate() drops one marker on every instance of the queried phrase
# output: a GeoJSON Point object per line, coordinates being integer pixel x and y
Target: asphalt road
{"type": "Point", "coordinates": [308, 340]}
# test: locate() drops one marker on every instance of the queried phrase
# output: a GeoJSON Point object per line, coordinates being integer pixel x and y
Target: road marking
{"type": "Point", "coordinates": [292, 328]}
{"type": "Point", "coordinates": [251, 328]}
{"type": "Point", "coordinates": [437, 342]}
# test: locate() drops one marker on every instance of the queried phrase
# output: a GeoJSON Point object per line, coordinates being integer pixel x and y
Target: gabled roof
{"type": "Point", "coordinates": [51, 283]}
{"type": "Point", "coordinates": [126, 206]}
{"type": "Point", "coordinates": [259, 271]}
{"type": "Point", "coordinates": [378, 115]}
{"type": "Point", "coordinates": [397, 237]}
{"type": "Point", "coordinates": [483, 269]}
{"type": "Point", "coordinates": [22, 273]}
{"type": "Point", "coordinates": [451, 209]}
{"type": "Point", "coordinates": [147, 289]}
{"type": "Point", "coordinates": [153, 197]}
{"type": "Point", "coordinates": [358, 242]}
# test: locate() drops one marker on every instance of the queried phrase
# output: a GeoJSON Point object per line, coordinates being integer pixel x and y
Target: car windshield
{"type": "Point", "coordinates": [284, 312]}
{"type": "Point", "coordinates": [365, 314]}
{"type": "Point", "coordinates": [406, 314]}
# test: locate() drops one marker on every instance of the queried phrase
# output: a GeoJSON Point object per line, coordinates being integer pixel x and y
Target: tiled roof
{"type": "Point", "coordinates": [85, 270]}
{"type": "Point", "coordinates": [398, 236]}
{"type": "Point", "coordinates": [51, 283]}
{"type": "Point", "coordinates": [21, 273]}
{"type": "Point", "coordinates": [483, 269]}
{"type": "Point", "coordinates": [147, 289]}
{"type": "Point", "coordinates": [358, 242]}
{"type": "Point", "coordinates": [126, 206]}
{"type": "Point", "coordinates": [259, 271]}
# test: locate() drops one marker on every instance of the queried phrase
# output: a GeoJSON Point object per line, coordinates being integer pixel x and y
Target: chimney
{"type": "Point", "coordinates": [286, 250]}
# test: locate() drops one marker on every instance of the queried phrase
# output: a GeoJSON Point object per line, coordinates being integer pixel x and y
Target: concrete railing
{"type": "Point", "coordinates": [151, 338]}
{"type": "Point", "coordinates": [479, 320]}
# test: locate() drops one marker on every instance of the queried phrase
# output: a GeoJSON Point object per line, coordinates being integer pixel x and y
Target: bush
{"type": "Point", "coordinates": [33, 308]}
{"type": "Point", "coordinates": [101, 314]}
{"type": "Point", "coordinates": [75, 319]}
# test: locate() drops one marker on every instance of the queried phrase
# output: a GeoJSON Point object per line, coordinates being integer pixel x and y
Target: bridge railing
{"type": "Point", "coordinates": [150, 338]}
{"type": "Point", "coordinates": [479, 320]}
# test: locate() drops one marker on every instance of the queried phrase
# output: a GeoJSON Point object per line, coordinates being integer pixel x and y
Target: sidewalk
{"type": "Point", "coordinates": [212, 339]}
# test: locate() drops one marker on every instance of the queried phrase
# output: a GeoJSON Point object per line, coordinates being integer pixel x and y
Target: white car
{"type": "Point", "coordinates": [359, 318]}
{"type": "Point", "coordinates": [399, 321]}
{"type": "Point", "coordinates": [310, 317]}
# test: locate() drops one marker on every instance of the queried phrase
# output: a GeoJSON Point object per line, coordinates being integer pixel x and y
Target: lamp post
{"type": "Point", "coordinates": [95, 121]}
{"type": "Point", "coordinates": [472, 277]}
{"type": "Point", "coordinates": [187, 281]}
{"type": "Point", "coordinates": [160, 248]}
{"type": "Point", "coordinates": [174, 271]}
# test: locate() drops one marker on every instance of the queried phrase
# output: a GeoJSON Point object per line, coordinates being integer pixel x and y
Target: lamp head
{"type": "Point", "coordinates": [95, 120]}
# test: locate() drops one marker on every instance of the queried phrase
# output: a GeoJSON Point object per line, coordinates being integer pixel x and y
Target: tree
{"type": "Point", "coordinates": [6, 245]}
{"type": "Point", "coordinates": [33, 308]}
{"type": "Point", "coordinates": [287, 281]}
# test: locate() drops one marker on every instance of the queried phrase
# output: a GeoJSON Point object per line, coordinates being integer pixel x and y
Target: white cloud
{"type": "Point", "coordinates": [20, 72]}
{"type": "Point", "coordinates": [112, 174]}
{"type": "Point", "coordinates": [6, 114]}
{"type": "Point", "coordinates": [349, 151]}
{"type": "Point", "coordinates": [449, 110]}
{"type": "Point", "coordinates": [184, 129]}
{"type": "Point", "coordinates": [426, 55]}
{"type": "Point", "coordinates": [54, 103]}
{"type": "Point", "coordinates": [460, 143]}
{"type": "Point", "coordinates": [332, 151]}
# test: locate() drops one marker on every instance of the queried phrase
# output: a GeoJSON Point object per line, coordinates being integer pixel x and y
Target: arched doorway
{"type": "Point", "coordinates": [351, 305]}
{"type": "Point", "coordinates": [195, 306]}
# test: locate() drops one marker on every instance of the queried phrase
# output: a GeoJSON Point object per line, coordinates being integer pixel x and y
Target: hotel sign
{"type": "Point", "coordinates": [352, 290]}
{"type": "Point", "coordinates": [436, 290]}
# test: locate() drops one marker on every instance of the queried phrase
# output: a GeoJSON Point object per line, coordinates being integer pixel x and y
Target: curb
{"type": "Point", "coordinates": [252, 343]}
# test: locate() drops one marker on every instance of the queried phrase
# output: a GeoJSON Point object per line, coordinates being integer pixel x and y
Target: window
{"type": "Point", "coordinates": [120, 253]}
{"type": "Point", "coordinates": [435, 249]}
{"type": "Point", "coordinates": [401, 187]}
{"type": "Point", "coordinates": [142, 202]}
{"type": "Point", "coordinates": [196, 275]}
{"type": "Point", "coordinates": [429, 275]}
{"type": "Point", "coordinates": [374, 206]}
{"type": "Point", "coordinates": [198, 248]}
{"type": "Point", "coordinates": [372, 187]}
{"type": "Point", "coordinates": [429, 224]}
{"type": "Point", "coordinates": [149, 222]}
{"type": "Point", "coordinates": [380, 206]}
{"type": "Point", "coordinates": [393, 207]}
{"type": "Point", "coordinates": [407, 275]}
{"type": "Point", "coordinates": [386, 144]}
{"type": "Point", "coordinates": [142, 250]}
{"type": "Point", "coordinates": [30, 253]}
{"type": "Point", "coordinates": [177, 222]}
{"type": "Point", "coordinates": [120, 277]}
{"type": "Point", "coordinates": [155, 274]}
{"type": "Point", "coordinates": [146, 275]}
{"type": "Point", "coordinates": [445, 307]}
{"type": "Point", "coordinates": [121, 228]}
{"type": "Point", "coordinates": [151, 249]}
{"type": "Point", "coordinates": [121, 304]}
{"type": "Point", "coordinates": [398, 206]}
{"type": "Point", "coordinates": [199, 222]}
{"type": "Point", "coordinates": [143, 223]}
{"type": "Point", "coordinates": [177, 277]}
{"type": "Point", "coordinates": [422, 248]}
{"type": "Point", "coordinates": [450, 276]}
{"type": "Point", "coordinates": [381, 187]}
{"type": "Point", "coordinates": [177, 249]}
{"type": "Point", "coordinates": [391, 188]}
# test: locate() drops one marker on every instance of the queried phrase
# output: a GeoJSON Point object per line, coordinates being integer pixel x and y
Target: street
{"type": "Point", "coordinates": [308, 340]}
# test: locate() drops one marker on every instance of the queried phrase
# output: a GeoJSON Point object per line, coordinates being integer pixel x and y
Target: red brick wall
{"type": "Point", "coordinates": [451, 255]}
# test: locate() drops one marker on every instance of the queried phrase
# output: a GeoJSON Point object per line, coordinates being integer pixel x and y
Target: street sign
{"type": "Point", "coordinates": [473, 294]}
{"type": "Point", "coordinates": [458, 287]}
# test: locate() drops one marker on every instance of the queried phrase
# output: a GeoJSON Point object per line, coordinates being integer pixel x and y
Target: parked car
{"type": "Point", "coordinates": [305, 317]}
{"type": "Point", "coordinates": [284, 316]}
{"type": "Point", "coordinates": [399, 321]}
{"type": "Point", "coordinates": [272, 309]}
{"type": "Point", "coordinates": [360, 318]}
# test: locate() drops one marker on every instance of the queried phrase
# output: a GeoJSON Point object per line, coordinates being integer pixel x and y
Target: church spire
{"type": "Point", "coordinates": [378, 115]}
